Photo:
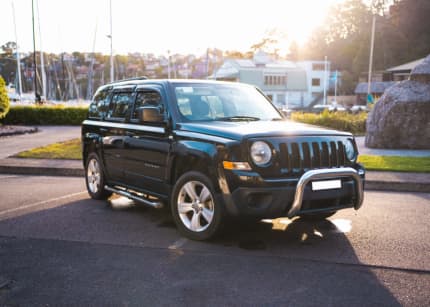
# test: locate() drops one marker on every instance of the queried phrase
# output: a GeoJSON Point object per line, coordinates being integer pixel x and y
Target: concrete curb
{"type": "Point", "coordinates": [397, 186]}
{"type": "Point", "coordinates": [41, 171]}
{"type": "Point", "coordinates": [382, 181]}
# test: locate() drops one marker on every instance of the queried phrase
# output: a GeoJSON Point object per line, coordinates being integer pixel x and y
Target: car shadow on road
{"type": "Point", "coordinates": [316, 256]}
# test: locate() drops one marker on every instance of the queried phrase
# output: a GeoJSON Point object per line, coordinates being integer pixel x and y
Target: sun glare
{"type": "Point", "coordinates": [302, 18]}
{"type": "Point", "coordinates": [179, 26]}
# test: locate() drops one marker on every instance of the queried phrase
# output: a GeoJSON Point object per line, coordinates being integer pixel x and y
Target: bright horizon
{"type": "Point", "coordinates": [187, 26]}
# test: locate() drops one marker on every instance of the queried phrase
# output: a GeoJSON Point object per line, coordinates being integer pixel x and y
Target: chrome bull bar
{"type": "Point", "coordinates": [321, 174]}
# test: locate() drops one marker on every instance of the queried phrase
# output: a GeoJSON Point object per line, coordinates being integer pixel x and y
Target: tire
{"type": "Point", "coordinates": [95, 179]}
{"type": "Point", "coordinates": [317, 216]}
{"type": "Point", "coordinates": [197, 212]}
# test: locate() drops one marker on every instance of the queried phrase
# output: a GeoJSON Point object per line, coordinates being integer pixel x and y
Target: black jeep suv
{"type": "Point", "coordinates": [211, 149]}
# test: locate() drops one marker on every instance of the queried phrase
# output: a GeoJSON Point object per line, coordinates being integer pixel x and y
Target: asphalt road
{"type": "Point", "coordinates": [57, 247]}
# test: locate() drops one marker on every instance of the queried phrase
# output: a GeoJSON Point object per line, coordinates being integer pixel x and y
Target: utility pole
{"type": "Point", "coordinates": [335, 87]}
{"type": "Point", "coordinates": [36, 94]}
{"type": "Point", "coordinates": [112, 77]}
{"type": "Point", "coordinates": [168, 64]}
{"type": "Point", "coordinates": [325, 80]}
{"type": "Point", "coordinates": [18, 58]}
{"type": "Point", "coordinates": [372, 42]}
{"type": "Point", "coordinates": [207, 63]}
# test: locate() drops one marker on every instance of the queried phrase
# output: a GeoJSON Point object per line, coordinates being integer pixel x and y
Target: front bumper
{"type": "Point", "coordinates": [295, 196]}
{"type": "Point", "coordinates": [321, 174]}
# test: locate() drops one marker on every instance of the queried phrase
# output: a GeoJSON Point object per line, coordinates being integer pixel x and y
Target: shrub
{"type": "Point", "coordinates": [4, 99]}
{"type": "Point", "coordinates": [354, 123]}
{"type": "Point", "coordinates": [46, 115]}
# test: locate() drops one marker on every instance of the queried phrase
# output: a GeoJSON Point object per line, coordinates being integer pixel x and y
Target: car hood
{"type": "Point", "coordinates": [256, 129]}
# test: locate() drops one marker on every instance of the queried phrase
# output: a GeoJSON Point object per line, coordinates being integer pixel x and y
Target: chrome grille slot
{"type": "Point", "coordinates": [295, 157]}
{"type": "Point", "coordinates": [307, 162]}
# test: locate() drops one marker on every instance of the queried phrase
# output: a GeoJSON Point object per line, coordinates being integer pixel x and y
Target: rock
{"type": "Point", "coordinates": [401, 118]}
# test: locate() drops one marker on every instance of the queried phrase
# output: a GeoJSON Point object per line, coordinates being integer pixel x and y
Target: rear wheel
{"type": "Point", "coordinates": [94, 178]}
{"type": "Point", "coordinates": [195, 209]}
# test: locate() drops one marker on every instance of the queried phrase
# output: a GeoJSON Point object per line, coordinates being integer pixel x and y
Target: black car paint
{"type": "Point", "coordinates": [150, 160]}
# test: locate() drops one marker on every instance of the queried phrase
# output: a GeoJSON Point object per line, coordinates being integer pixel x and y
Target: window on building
{"type": "Point", "coordinates": [318, 66]}
{"type": "Point", "coordinates": [316, 82]}
{"type": "Point", "coordinates": [275, 80]}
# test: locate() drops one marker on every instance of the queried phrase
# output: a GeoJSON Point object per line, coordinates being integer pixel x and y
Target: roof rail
{"type": "Point", "coordinates": [129, 79]}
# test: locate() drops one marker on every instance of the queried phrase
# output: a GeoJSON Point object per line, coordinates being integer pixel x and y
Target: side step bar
{"type": "Point", "coordinates": [154, 204]}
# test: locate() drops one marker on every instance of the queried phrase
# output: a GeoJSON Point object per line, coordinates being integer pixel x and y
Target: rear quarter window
{"type": "Point", "coordinates": [99, 105]}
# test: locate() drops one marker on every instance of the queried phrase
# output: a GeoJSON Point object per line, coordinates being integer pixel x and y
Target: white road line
{"type": "Point", "coordinates": [40, 203]}
{"type": "Point", "coordinates": [178, 244]}
{"type": "Point", "coordinates": [6, 177]}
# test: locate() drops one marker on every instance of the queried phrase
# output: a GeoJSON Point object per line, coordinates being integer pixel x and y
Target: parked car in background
{"type": "Point", "coordinates": [319, 108]}
{"type": "Point", "coordinates": [359, 108]}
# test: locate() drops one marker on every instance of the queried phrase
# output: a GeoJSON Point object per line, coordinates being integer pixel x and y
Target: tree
{"type": "Point", "coordinates": [4, 99]}
{"type": "Point", "coordinates": [8, 62]}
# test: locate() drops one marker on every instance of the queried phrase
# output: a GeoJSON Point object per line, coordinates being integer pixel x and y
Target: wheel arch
{"type": "Point", "coordinates": [196, 156]}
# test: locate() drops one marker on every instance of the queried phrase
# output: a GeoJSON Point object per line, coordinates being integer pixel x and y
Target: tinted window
{"type": "Point", "coordinates": [100, 104]}
{"type": "Point", "coordinates": [119, 105]}
{"type": "Point", "coordinates": [147, 98]}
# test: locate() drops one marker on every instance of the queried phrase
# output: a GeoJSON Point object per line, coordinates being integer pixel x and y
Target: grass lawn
{"type": "Point", "coordinates": [395, 163]}
{"type": "Point", "coordinates": [72, 150]}
{"type": "Point", "coordinates": [63, 150]}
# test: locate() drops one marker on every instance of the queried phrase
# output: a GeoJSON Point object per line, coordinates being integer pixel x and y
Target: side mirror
{"type": "Point", "coordinates": [150, 114]}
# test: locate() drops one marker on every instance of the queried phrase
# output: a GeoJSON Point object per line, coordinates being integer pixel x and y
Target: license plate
{"type": "Point", "coordinates": [326, 185]}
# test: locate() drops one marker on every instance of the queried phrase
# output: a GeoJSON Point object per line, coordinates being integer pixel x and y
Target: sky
{"type": "Point", "coordinates": [156, 26]}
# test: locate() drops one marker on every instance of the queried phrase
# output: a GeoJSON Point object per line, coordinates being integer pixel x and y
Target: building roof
{"type": "Point", "coordinates": [375, 87]}
{"type": "Point", "coordinates": [407, 66]}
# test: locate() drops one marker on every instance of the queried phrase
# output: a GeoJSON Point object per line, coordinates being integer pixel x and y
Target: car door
{"type": "Point", "coordinates": [113, 130]}
{"type": "Point", "coordinates": [146, 144]}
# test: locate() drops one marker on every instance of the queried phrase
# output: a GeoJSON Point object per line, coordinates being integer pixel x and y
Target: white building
{"type": "Point", "coordinates": [288, 84]}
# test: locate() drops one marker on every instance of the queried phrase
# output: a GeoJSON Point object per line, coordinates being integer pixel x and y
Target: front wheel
{"type": "Point", "coordinates": [94, 178]}
{"type": "Point", "coordinates": [195, 208]}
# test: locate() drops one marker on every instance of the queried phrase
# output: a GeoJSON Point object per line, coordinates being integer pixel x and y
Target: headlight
{"type": "Point", "coordinates": [350, 150]}
{"type": "Point", "coordinates": [260, 153]}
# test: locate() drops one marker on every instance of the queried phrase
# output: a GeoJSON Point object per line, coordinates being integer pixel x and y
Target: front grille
{"type": "Point", "coordinates": [299, 157]}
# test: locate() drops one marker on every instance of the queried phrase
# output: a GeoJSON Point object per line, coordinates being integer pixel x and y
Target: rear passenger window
{"type": "Point", "coordinates": [119, 105]}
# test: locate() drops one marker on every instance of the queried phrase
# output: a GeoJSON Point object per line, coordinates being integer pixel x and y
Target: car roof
{"type": "Point", "coordinates": [142, 81]}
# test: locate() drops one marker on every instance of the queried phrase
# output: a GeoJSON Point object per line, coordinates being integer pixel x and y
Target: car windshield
{"type": "Point", "coordinates": [225, 102]}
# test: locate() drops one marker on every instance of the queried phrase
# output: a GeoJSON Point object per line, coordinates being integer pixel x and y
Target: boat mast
{"type": "Point", "coordinates": [18, 58]}
{"type": "Point", "coordinates": [91, 70]}
{"type": "Point", "coordinates": [42, 62]}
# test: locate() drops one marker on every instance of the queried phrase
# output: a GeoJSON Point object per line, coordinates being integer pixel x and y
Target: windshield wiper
{"type": "Point", "coordinates": [238, 118]}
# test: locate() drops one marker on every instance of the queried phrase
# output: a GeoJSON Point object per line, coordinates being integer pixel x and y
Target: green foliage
{"type": "Point", "coordinates": [4, 99]}
{"type": "Point", "coordinates": [62, 150]}
{"type": "Point", "coordinates": [395, 163]}
{"type": "Point", "coordinates": [401, 36]}
{"type": "Point", "coordinates": [46, 115]}
{"type": "Point", "coordinates": [354, 123]}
